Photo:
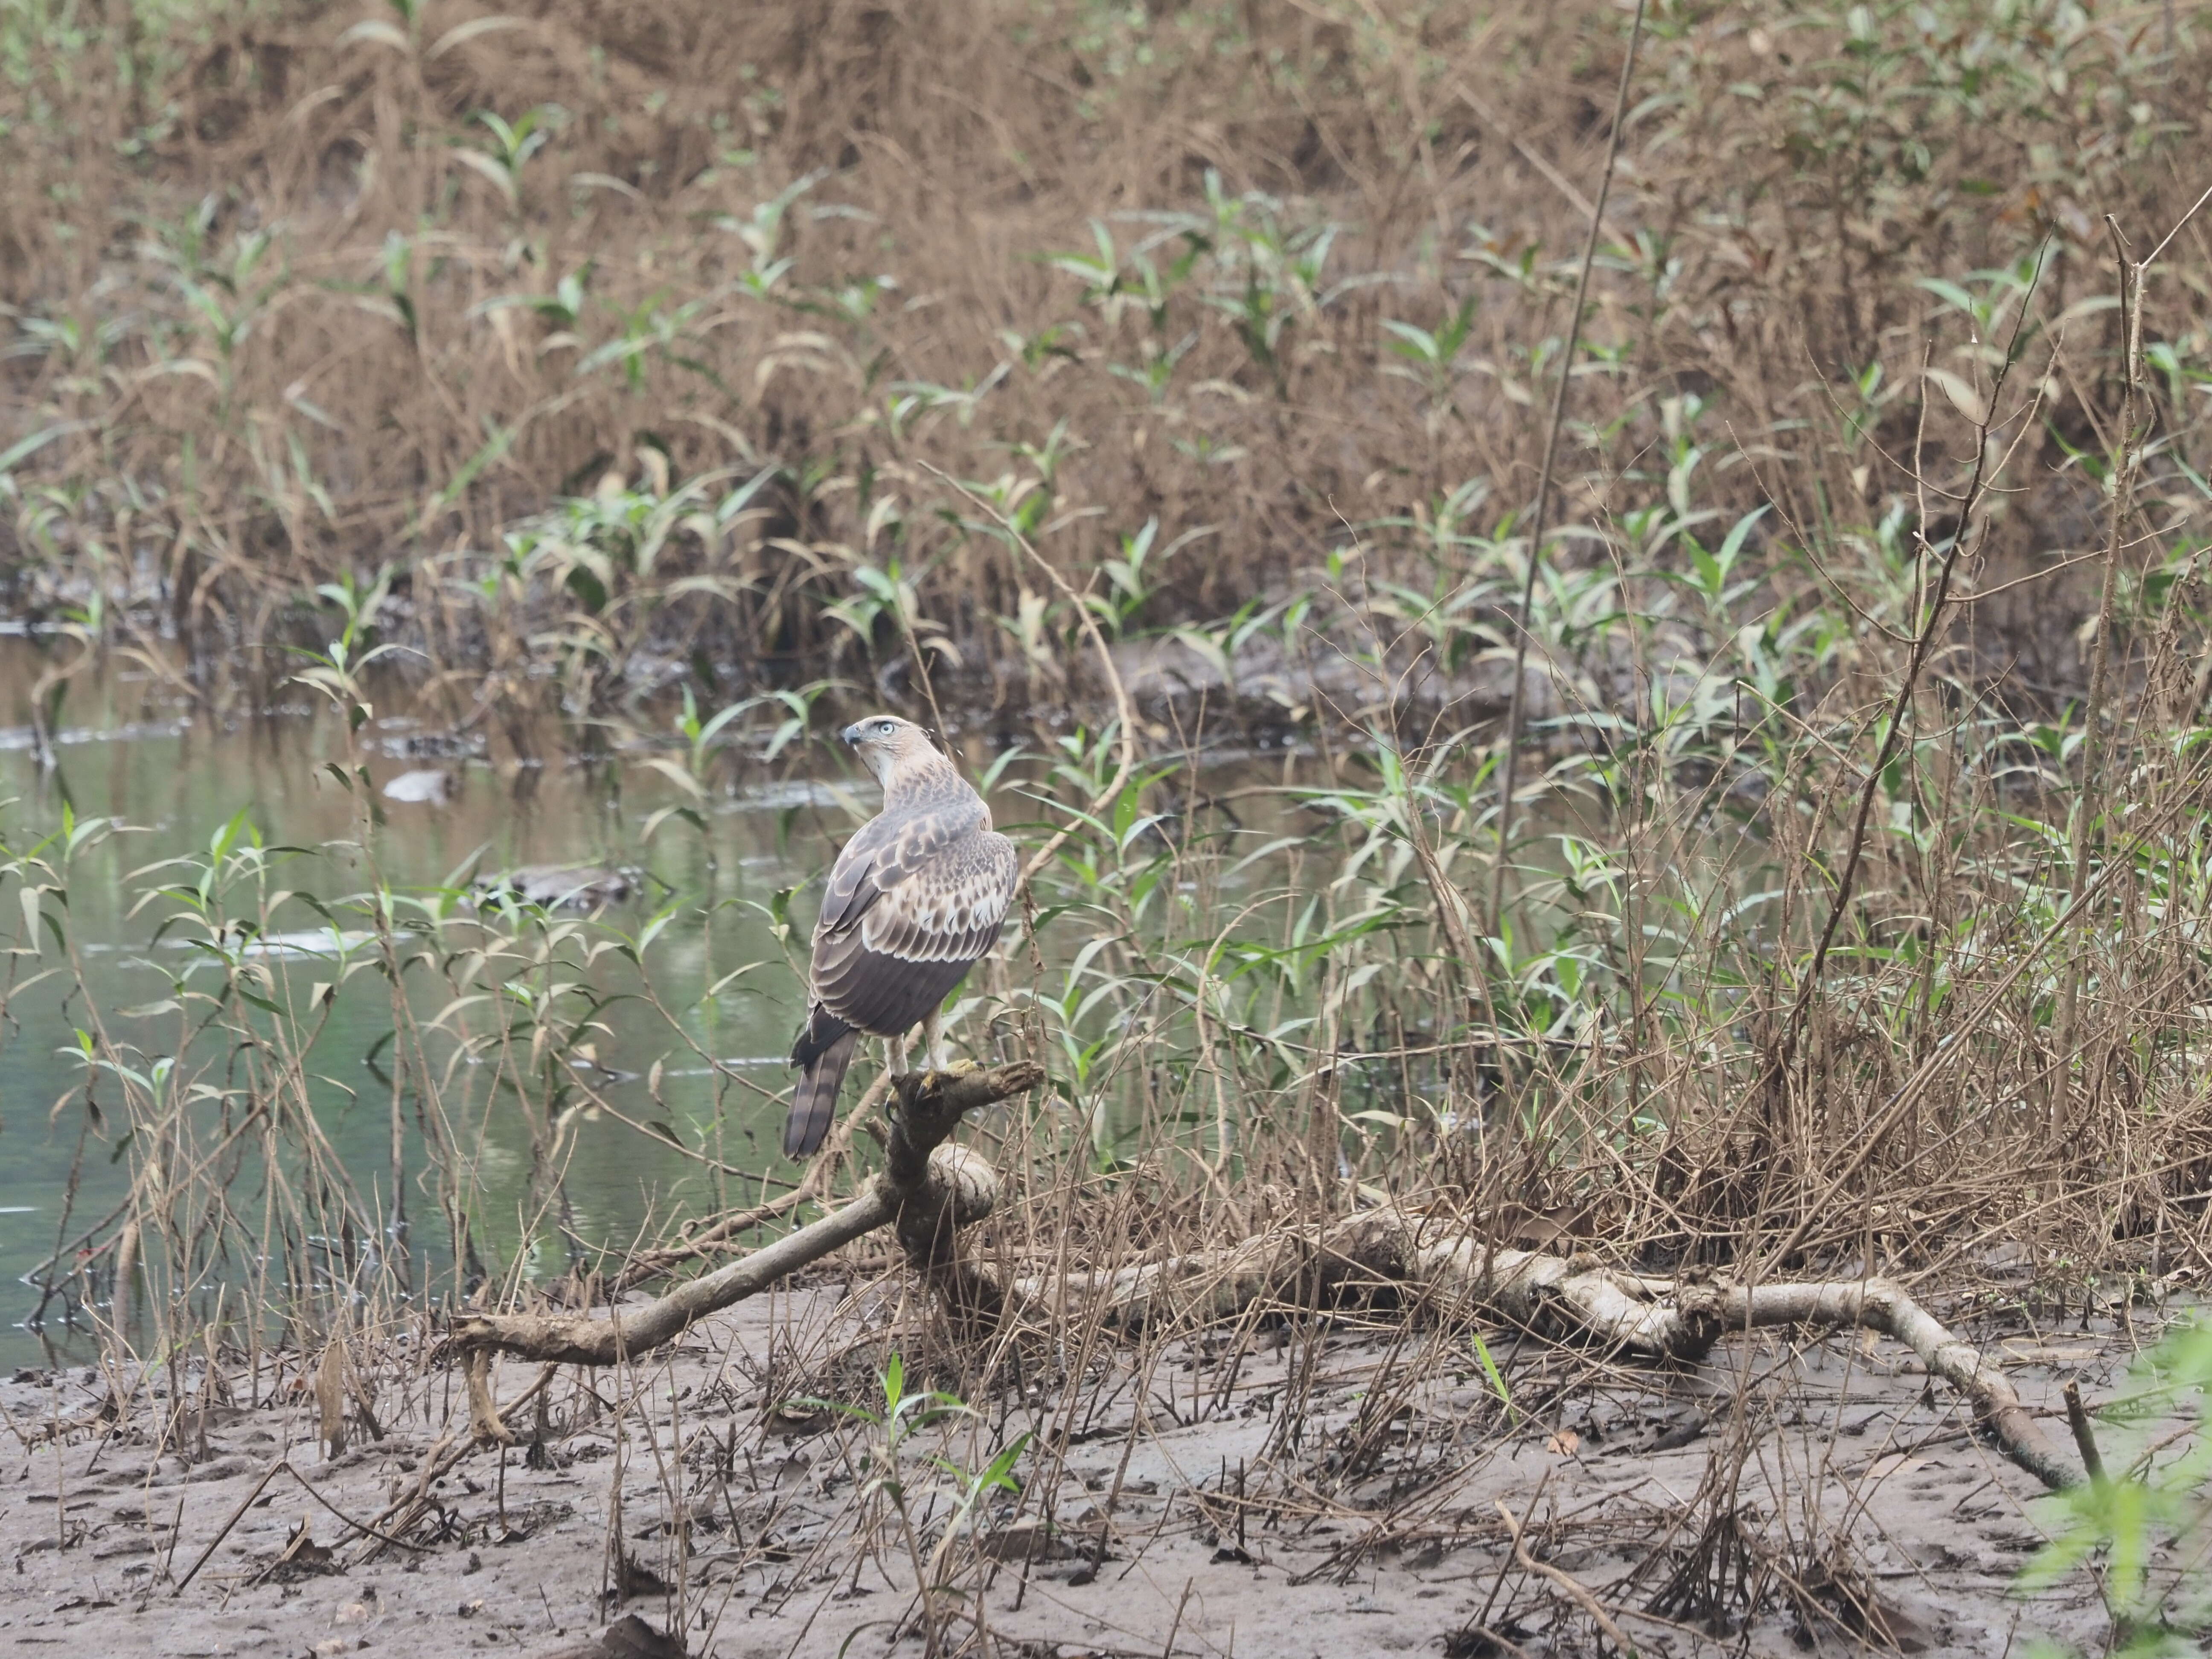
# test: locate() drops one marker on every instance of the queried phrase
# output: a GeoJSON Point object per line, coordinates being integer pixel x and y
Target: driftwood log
{"type": "Point", "coordinates": [926, 1191]}
{"type": "Point", "coordinates": [929, 1190]}
{"type": "Point", "coordinates": [1573, 1297]}
{"type": "Point", "coordinates": [720, 1237]}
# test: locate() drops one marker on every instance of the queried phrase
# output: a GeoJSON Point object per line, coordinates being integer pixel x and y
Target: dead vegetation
{"type": "Point", "coordinates": [303, 292]}
{"type": "Point", "coordinates": [930, 1189]}
{"type": "Point", "coordinates": [802, 1478]}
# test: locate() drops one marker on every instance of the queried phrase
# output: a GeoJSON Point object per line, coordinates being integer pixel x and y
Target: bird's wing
{"type": "Point", "coordinates": [902, 945]}
{"type": "Point", "coordinates": [950, 907]}
{"type": "Point", "coordinates": [888, 849]}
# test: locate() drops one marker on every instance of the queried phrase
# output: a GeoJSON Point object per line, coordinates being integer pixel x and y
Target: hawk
{"type": "Point", "coordinates": [914, 901]}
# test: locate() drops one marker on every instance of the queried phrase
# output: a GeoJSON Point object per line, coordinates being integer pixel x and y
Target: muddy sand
{"type": "Point", "coordinates": [1820, 1496]}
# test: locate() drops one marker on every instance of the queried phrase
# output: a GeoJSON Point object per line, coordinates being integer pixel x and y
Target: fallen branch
{"type": "Point", "coordinates": [722, 1235]}
{"type": "Point", "coordinates": [926, 1192]}
{"type": "Point", "coordinates": [1572, 1298]}
{"type": "Point", "coordinates": [1880, 1304]}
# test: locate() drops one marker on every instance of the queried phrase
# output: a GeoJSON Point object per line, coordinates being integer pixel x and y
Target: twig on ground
{"type": "Point", "coordinates": [1573, 1591]}
{"type": "Point", "coordinates": [223, 1531]}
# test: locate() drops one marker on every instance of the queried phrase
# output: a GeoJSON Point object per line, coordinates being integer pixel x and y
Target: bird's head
{"type": "Point", "coordinates": [886, 744]}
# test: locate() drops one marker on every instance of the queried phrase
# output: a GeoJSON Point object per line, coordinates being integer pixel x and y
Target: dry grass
{"type": "Point", "coordinates": [292, 310]}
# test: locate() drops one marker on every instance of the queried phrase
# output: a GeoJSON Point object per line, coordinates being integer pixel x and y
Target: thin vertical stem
{"type": "Point", "coordinates": [1517, 710]}
{"type": "Point", "coordinates": [1934, 604]}
{"type": "Point", "coordinates": [2088, 806]}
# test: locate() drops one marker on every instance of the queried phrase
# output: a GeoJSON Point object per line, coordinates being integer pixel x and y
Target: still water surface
{"type": "Point", "coordinates": [124, 752]}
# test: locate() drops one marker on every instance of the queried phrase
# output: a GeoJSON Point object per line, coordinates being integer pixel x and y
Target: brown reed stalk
{"type": "Point", "coordinates": [1517, 706]}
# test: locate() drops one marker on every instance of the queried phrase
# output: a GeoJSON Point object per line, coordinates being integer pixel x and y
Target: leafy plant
{"type": "Point", "coordinates": [2142, 1533]}
{"type": "Point", "coordinates": [886, 1466]}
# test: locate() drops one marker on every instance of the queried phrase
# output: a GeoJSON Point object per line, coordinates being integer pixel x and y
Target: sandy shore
{"type": "Point", "coordinates": [1782, 1495]}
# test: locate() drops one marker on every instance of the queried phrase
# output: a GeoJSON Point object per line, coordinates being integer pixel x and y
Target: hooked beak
{"type": "Point", "coordinates": [852, 735]}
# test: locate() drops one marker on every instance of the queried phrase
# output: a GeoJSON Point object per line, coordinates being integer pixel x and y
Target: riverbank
{"type": "Point", "coordinates": [1291, 1487]}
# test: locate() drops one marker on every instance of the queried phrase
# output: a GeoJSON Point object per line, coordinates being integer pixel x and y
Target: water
{"type": "Point", "coordinates": [127, 750]}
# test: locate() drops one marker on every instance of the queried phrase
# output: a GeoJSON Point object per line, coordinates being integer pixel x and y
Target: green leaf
{"type": "Point", "coordinates": [894, 1381]}
{"type": "Point", "coordinates": [1497, 1379]}
{"type": "Point", "coordinates": [24, 449]}
{"type": "Point", "coordinates": [999, 1473]}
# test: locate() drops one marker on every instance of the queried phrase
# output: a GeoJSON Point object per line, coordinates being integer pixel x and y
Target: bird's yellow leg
{"type": "Point", "coordinates": [932, 1037]}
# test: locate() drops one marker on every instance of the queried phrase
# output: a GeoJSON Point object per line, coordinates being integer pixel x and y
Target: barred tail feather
{"type": "Point", "coordinates": [814, 1107]}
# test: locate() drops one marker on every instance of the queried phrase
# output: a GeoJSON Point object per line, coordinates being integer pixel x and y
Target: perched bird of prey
{"type": "Point", "coordinates": [914, 901]}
